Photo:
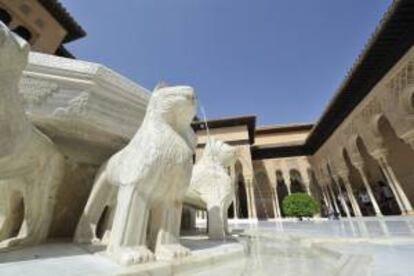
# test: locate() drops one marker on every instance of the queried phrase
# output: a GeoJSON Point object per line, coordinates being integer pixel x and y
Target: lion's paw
{"type": "Point", "coordinates": [171, 251]}
{"type": "Point", "coordinates": [15, 242]}
{"type": "Point", "coordinates": [133, 255]}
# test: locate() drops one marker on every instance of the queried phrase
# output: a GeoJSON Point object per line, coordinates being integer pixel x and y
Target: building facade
{"type": "Point", "coordinates": [358, 158]}
{"type": "Point", "coordinates": [45, 24]}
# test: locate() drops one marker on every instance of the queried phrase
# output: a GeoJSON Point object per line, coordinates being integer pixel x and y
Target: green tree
{"type": "Point", "coordinates": [300, 205]}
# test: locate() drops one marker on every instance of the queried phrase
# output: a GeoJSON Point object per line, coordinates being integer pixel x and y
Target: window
{"type": "Point", "coordinates": [5, 17]}
{"type": "Point", "coordinates": [23, 33]}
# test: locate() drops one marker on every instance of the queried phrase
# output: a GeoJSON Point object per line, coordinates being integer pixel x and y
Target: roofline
{"type": "Point", "coordinates": [390, 41]}
{"type": "Point", "coordinates": [242, 118]}
{"type": "Point", "coordinates": [283, 128]}
{"type": "Point", "coordinates": [58, 11]}
{"type": "Point", "coordinates": [248, 120]}
{"type": "Point", "coordinates": [61, 51]}
{"type": "Point", "coordinates": [371, 66]}
{"type": "Point", "coordinates": [260, 153]}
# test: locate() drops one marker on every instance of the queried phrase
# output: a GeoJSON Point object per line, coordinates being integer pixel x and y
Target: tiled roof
{"type": "Point", "coordinates": [58, 11]}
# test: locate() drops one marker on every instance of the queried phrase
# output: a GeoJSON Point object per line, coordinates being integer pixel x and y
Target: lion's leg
{"type": "Point", "coordinates": [3, 210]}
{"type": "Point", "coordinates": [40, 198]}
{"type": "Point", "coordinates": [226, 219]}
{"type": "Point", "coordinates": [5, 214]}
{"type": "Point", "coordinates": [215, 222]}
{"type": "Point", "coordinates": [110, 216]}
{"type": "Point", "coordinates": [127, 244]}
{"type": "Point", "coordinates": [225, 222]}
{"type": "Point", "coordinates": [20, 221]}
{"type": "Point", "coordinates": [167, 218]}
{"type": "Point", "coordinates": [100, 196]}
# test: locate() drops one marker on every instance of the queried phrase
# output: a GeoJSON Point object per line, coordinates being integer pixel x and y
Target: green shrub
{"type": "Point", "coordinates": [300, 205]}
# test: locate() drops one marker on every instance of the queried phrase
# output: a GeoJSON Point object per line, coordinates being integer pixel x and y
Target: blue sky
{"type": "Point", "coordinates": [281, 60]}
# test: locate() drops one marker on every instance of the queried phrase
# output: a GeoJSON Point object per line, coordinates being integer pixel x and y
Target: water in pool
{"type": "Point", "coordinates": [347, 247]}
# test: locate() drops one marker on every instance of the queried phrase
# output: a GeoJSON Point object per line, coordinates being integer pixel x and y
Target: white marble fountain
{"type": "Point", "coordinates": [94, 173]}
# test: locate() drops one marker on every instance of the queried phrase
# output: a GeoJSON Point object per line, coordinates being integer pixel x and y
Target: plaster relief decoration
{"type": "Point", "coordinates": [371, 109]}
{"type": "Point", "coordinates": [212, 186]}
{"type": "Point", "coordinates": [31, 168]}
{"type": "Point", "coordinates": [152, 174]}
{"type": "Point", "coordinates": [399, 82]}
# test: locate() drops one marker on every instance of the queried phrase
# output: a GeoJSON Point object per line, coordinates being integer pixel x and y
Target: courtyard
{"type": "Point", "coordinates": [201, 138]}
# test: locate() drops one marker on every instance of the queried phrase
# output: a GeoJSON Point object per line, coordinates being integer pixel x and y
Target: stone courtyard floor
{"type": "Point", "coordinates": [366, 246]}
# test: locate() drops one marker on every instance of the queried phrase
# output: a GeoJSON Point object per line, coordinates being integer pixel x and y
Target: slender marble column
{"type": "Point", "coordinates": [351, 196]}
{"type": "Point", "coordinates": [287, 183]}
{"type": "Point", "coordinates": [333, 198]}
{"type": "Point", "coordinates": [326, 198]}
{"type": "Point", "coordinates": [307, 185]}
{"type": "Point", "coordinates": [395, 185]}
{"type": "Point", "coordinates": [342, 199]}
{"type": "Point", "coordinates": [249, 201]}
{"type": "Point", "coordinates": [236, 207]}
{"type": "Point", "coordinates": [250, 188]}
{"type": "Point", "coordinates": [276, 203]}
{"type": "Point", "coordinates": [364, 177]}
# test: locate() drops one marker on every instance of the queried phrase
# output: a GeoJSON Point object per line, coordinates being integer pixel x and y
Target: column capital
{"type": "Point", "coordinates": [359, 165]}
{"type": "Point", "coordinates": [248, 178]}
{"type": "Point", "coordinates": [343, 174]}
{"type": "Point", "coordinates": [408, 137]}
{"type": "Point", "coordinates": [336, 177]}
{"type": "Point", "coordinates": [380, 153]}
{"type": "Point", "coordinates": [248, 181]}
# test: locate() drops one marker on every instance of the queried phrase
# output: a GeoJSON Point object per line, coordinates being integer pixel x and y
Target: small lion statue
{"type": "Point", "coordinates": [31, 168]}
{"type": "Point", "coordinates": [151, 175]}
{"type": "Point", "coordinates": [212, 182]}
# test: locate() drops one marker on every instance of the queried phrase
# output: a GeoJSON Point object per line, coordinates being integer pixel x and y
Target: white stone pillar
{"type": "Point", "coordinates": [236, 207]}
{"type": "Point", "coordinates": [276, 203]}
{"type": "Point", "coordinates": [326, 198]}
{"type": "Point", "coordinates": [351, 196]}
{"type": "Point", "coordinates": [249, 202]}
{"type": "Point", "coordinates": [333, 198]}
{"type": "Point", "coordinates": [252, 201]}
{"type": "Point", "coordinates": [365, 180]}
{"type": "Point", "coordinates": [342, 198]}
{"type": "Point", "coordinates": [307, 187]}
{"type": "Point", "coordinates": [288, 184]}
{"type": "Point", "coordinates": [395, 185]}
{"type": "Point", "coordinates": [306, 180]}
{"type": "Point", "coordinates": [235, 195]}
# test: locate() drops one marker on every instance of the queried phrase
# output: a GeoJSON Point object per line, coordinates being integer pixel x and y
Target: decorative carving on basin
{"type": "Point", "coordinates": [31, 168]}
{"type": "Point", "coordinates": [150, 177]}
{"type": "Point", "coordinates": [212, 185]}
{"type": "Point", "coordinates": [78, 105]}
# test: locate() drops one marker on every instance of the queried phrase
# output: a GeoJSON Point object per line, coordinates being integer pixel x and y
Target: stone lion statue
{"type": "Point", "coordinates": [31, 168]}
{"type": "Point", "coordinates": [151, 175]}
{"type": "Point", "coordinates": [212, 183]}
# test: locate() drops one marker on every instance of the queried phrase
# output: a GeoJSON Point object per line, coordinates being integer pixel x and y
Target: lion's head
{"type": "Point", "coordinates": [176, 105]}
{"type": "Point", "coordinates": [14, 52]}
{"type": "Point", "coordinates": [221, 152]}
